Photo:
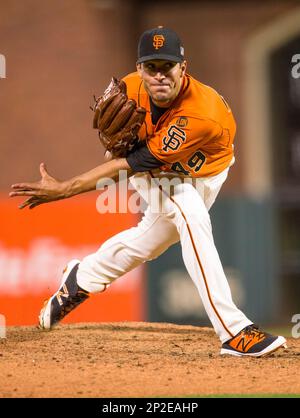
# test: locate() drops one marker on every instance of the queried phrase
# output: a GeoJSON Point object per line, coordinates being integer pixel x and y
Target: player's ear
{"type": "Point", "coordinates": [183, 67]}
{"type": "Point", "coordinates": [139, 68]}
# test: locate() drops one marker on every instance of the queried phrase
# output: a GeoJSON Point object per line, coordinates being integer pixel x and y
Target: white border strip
{"type": "Point", "coordinates": [2, 66]}
{"type": "Point", "coordinates": [2, 326]}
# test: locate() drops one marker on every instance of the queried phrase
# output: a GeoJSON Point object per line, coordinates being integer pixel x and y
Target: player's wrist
{"type": "Point", "coordinates": [77, 185]}
{"type": "Point", "coordinates": [67, 189]}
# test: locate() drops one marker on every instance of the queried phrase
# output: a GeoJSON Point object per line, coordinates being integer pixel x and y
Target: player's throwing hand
{"type": "Point", "coordinates": [43, 191]}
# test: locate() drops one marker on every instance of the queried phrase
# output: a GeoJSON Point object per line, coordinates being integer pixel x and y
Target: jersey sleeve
{"type": "Point", "coordinates": [141, 159]}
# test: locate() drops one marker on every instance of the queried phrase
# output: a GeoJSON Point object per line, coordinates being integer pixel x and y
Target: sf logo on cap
{"type": "Point", "coordinates": [158, 41]}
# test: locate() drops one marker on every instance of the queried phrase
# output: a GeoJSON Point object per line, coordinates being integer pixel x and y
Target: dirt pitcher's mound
{"type": "Point", "coordinates": [136, 360]}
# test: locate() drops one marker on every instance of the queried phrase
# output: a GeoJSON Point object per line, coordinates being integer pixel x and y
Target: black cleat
{"type": "Point", "coordinates": [67, 298]}
{"type": "Point", "coordinates": [250, 341]}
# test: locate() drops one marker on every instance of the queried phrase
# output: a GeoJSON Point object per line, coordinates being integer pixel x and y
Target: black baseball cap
{"type": "Point", "coordinates": [160, 43]}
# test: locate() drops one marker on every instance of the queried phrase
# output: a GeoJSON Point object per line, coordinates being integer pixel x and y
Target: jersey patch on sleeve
{"type": "Point", "coordinates": [182, 122]}
{"type": "Point", "coordinates": [174, 138]}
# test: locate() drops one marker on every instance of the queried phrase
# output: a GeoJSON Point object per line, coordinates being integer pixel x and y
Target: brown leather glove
{"type": "Point", "coordinates": [117, 119]}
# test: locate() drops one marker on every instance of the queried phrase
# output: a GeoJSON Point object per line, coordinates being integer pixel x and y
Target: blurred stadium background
{"type": "Point", "coordinates": [58, 54]}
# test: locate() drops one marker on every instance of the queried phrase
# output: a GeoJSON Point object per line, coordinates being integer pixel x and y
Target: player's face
{"type": "Point", "coordinates": [162, 80]}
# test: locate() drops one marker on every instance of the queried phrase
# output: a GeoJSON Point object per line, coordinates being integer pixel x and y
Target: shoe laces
{"type": "Point", "coordinates": [253, 331]}
{"type": "Point", "coordinates": [73, 301]}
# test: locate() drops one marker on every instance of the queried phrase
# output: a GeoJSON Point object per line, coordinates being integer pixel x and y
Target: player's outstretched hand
{"type": "Point", "coordinates": [46, 190]}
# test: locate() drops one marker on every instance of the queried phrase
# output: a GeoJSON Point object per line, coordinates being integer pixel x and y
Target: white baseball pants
{"type": "Point", "coordinates": [183, 216]}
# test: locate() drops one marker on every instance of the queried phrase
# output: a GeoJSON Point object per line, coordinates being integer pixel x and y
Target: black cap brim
{"type": "Point", "coordinates": [159, 57]}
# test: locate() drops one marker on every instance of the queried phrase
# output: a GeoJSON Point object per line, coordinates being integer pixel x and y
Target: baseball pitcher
{"type": "Point", "coordinates": [158, 121]}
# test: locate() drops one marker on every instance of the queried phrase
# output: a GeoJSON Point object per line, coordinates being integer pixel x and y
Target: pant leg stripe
{"type": "Point", "coordinates": [199, 261]}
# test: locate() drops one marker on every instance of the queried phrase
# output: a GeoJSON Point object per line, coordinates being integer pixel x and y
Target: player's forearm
{"type": "Point", "coordinates": [88, 181]}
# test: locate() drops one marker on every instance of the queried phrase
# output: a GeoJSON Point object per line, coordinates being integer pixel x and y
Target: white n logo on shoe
{"type": "Point", "coordinates": [61, 294]}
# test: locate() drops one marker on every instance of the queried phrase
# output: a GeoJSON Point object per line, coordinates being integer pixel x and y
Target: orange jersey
{"type": "Point", "coordinates": [195, 135]}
